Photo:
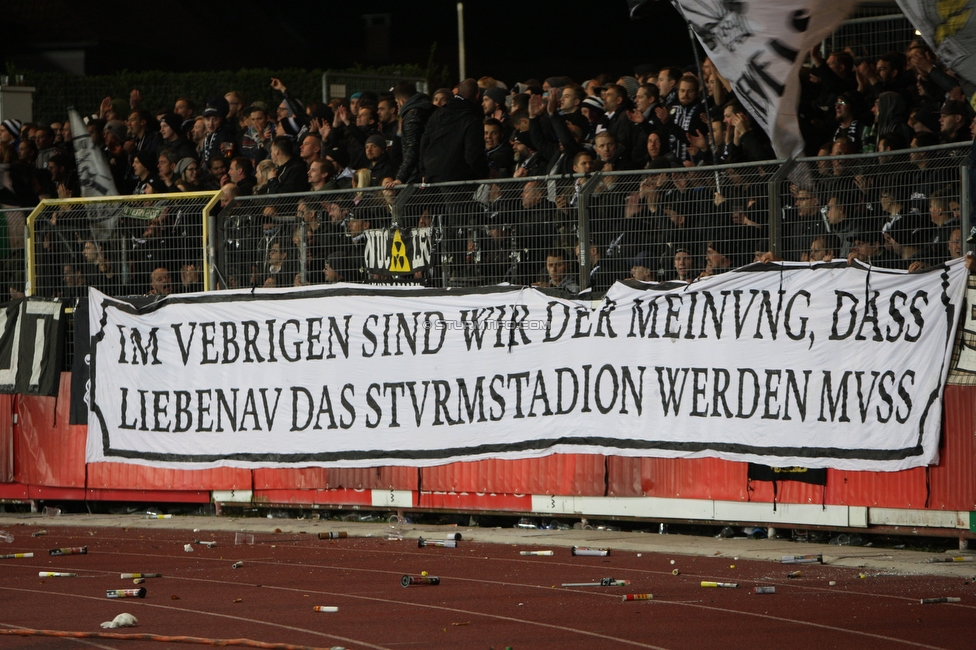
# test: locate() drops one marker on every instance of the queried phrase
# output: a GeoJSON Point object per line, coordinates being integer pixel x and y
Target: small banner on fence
{"type": "Point", "coordinates": [758, 472]}
{"type": "Point", "coordinates": [30, 346]}
{"type": "Point", "coordinates": [782, 365]}
{"type": "Point", "coordinates": [397, 252]}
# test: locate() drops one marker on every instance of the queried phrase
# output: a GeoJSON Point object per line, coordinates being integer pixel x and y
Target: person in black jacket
{"type": "Point", "coordinates": [744, 142]}
{"type": "Point", "coordinates": [501, 157]}
{"type": "Point", "coordinates": [291, 175]}
{"type": "Point", "coordinates": [170, 126]}
{"type": "Point", "coordinates": [453, 149]}
{"type": "Point", "coordinates": [415, 110]}
{"type": "Point", "coordinates": [380, 165]}
{"type": "Point", "coordinates": [219, 141]}
{"type": "Point", "coordinates": [453, 145]}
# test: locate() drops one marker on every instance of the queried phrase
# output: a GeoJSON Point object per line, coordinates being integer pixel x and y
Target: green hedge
{"type": "Point", "coordinates": [57, 91]}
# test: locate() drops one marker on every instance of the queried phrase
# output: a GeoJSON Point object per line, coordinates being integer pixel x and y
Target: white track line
{"type": "Point", "coordinates": [605, 595]}
{"type": "Point", "coordinates": [528, 622]}
{"type": "Point", "coordinates": [185, 610]}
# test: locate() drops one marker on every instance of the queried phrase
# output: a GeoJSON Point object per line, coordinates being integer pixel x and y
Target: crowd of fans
{"type": "Point", "coordinates": [670, 216]}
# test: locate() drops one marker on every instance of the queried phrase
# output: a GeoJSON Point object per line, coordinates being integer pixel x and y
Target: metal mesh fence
{"type": "Point", "coordinates": [288, 239]}
{"type": "Point", "coordinates": [676, 225]}
{"type": "Point", "coordinates": [13, 273]}
{"type": "Point", "coordinates": [500, 230]}
{"type": "Point", "coordinates": [339, 84]}
{"type": "Point", "coordinates": [130, 245]}
{"type": "Point", "coordinates": [893, 209]}
{"type": "Point", "coordinates": [672, 225]}
{"type": "Point", "coordinates": [872, 36]}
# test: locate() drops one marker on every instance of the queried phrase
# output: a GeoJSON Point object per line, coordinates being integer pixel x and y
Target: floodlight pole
{"type": "Point", "coordinates": [460, 20]}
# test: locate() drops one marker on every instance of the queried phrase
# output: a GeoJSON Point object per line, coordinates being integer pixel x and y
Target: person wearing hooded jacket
{"type": "Point", "coordinates": [892, 117]}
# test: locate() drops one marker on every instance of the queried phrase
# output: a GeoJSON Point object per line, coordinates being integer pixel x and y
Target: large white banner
{"type": "Point", "coordinates": [760, 47]}
{"type": "Point", "coordinates": [785, 365]}
{"type": "Point", "coordinates": [950, 30]}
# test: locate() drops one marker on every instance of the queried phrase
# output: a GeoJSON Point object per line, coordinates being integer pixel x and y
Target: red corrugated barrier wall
{"type": "Point", "coordinates": [48, 462]}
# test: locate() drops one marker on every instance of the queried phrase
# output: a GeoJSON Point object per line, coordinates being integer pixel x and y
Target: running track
{"type": "Point", "coordinates": [490, 596]}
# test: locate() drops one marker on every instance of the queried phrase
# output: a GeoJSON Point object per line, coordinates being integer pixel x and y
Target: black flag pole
{"type": "Point", "coordinates": [701, 82]}
{"type": "Point", "coordinates": [635, 8]}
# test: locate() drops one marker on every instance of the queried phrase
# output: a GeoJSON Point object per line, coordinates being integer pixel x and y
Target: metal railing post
{"type": "Point", "coordinates": [403, 195]}
{"type": "Point", "coordinates": [583, 229]}
{"type": "Point", "coordinates": [776, 207]}
{"type": "Point", "coordinates": [30, 255]}
{"type": "Point", "coordinates": [966, 203]}
{"type": "Point", "coordinates": [210, 242]}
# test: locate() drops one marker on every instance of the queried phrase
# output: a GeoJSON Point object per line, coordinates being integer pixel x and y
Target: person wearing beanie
{"type": "Point", "coordinates": [527, 160]}
{"type": "Point", "coordinates": [183, 164]}
{"type": "Point", "coordinates": [188, 174]}
{"type": "Point", "coordinates": [116, 128]}
{"type": "Point", "coordinates": [493, 103]}
{"type": "Point", "coordinates": [592, 110]}
{"type": "Point", "coordinates": [592, 105]}
{"type": "Point", "coordinates": [555, 83]}
{"type": "Point", "coordinates": [171, 130]}
{"type": "Point", "coordinates": [144, 170]}
{"type": "Point", "coordinates": [10, 132]}
{"type": "Point", "coordinates": [354, 103]}
{"type": "Point", "coordinates": [380, 165]}
{"type": "Point", "coordinates": [631, 84]}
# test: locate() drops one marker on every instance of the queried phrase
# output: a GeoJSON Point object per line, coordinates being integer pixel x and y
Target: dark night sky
{"type": "Point", "coordinates": [510, 40]}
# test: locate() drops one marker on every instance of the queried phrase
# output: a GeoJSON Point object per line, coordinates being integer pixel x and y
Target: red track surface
{"type": "Point", "coordinates": [489, 597]}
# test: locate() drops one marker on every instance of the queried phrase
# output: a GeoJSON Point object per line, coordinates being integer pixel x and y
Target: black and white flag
{"type": "Point", "coordinates": [30, 347]}
{"type": "Point", "coordinates": [95, 179]}
{"type": "Point", "coordinates": [759, 47]}
{"type": "Point", "coordinates": [949, 28]}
